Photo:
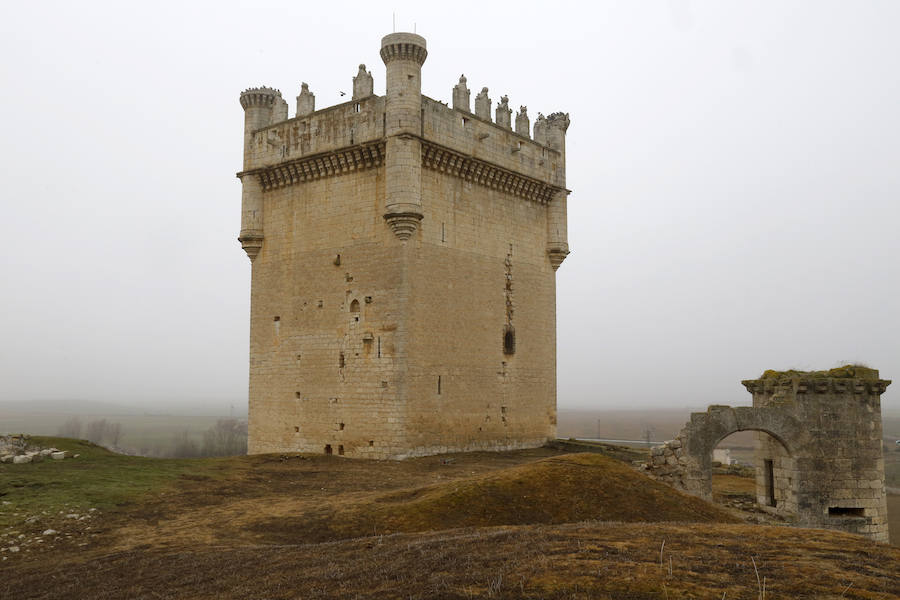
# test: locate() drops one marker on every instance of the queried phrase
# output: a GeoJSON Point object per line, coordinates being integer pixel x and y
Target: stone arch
{"type": "Point", "coordinates": [686, 461]}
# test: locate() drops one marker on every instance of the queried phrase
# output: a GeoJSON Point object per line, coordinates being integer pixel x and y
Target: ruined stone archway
{"type": "Point", "coordinates": [824, 462]}
{"type": "Point", "coordinates": [686, 461]}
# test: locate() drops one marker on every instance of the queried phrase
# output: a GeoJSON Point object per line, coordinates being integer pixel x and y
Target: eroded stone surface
{"type": "Point", "coordinates": [819, 457]}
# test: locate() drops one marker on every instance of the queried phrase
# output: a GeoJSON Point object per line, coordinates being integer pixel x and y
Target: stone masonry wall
{"type": "Point", "coordinates": [819, 455]}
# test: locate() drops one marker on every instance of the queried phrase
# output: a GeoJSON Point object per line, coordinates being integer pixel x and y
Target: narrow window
{"type": "Point", "coordinates": [443, 238]}
{"type": "Point", "coordinates": [357, 107]}
{"type": "Point", "coordinates": [354, 306]}
{"type": "Point", "coordinates": [341, 360]}
{"type": "Point", "coordinates": [845, 511]}
{"type": "Point", "coordinates": [341, 449]}
{"type": "Point", "coordinates": [509, 340]}
{"type": "Point", "coordinates": [297, 394]}
{"type": "Point", "coordinates": [371, 443]}
{"type": "Point", "coordinates": [439, 385]}
{"type": "Point", "coordinates": [770, 482]}
{"type": "Point", "coordinates": [340, 426]}
{"type": "Point", "coordinates": [296, 429]}
{"type": "Point", "coordinates": [327, 448]}
{"type": "Point", "coordinates": [379, 346]}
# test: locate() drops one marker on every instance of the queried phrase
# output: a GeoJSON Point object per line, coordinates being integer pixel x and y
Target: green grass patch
{"type": "Point", "coordinates": [97, 479]}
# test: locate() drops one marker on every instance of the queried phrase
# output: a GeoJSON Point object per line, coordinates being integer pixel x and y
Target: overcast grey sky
{"type": "Point", "coordinates": [734, 167]}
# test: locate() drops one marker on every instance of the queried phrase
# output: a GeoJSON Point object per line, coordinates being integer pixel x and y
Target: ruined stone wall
{"type": "Point", "coordinates": [836, 479]}
{"type": "Point", "coordinates": [819, 454]}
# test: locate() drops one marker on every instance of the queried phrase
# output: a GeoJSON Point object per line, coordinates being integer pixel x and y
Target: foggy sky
{"type": "Point", "coordinates": [734, 168]}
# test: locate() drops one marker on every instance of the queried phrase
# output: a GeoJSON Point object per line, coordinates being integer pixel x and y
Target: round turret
{"type": "Point", "coordinates": [262, 97]}
{"type": "Point", "coordinates": [403, 46]}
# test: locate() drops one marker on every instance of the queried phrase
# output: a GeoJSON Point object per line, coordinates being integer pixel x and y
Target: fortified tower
{"type": "Point", "coordinates": [403, 294]}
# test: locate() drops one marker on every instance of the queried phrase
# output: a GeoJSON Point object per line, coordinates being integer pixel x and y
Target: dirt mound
{"type": "Point", "coordinates": [563, 489]}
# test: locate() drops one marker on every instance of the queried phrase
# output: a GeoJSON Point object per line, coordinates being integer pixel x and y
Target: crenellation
{"type": "Point", "coordinates": [279, 110]}
{"type": "Point", "coordinates": [540, 130]}
{"type": "Point", "coordinates": [363, 84]}
{"type": "Point", "coordinates": [306, 101]}
{"type": "Point", "coordinates": [523, 126]}
{"type": "Point", "coordinates": [483, 105]}
{"type": "Point", "coordinates": [503, 113]}
{"type": "Point", "coordinates": [461, 95]}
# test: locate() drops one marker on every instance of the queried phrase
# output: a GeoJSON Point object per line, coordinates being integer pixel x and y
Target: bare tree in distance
{"type": "Point", "coordinates": [104, 433]}
{"type": "Point", "coordinates": [228, 437]}
{"type": "Point", "coordinates": [114, 434]}
{"type": "Point", "coordinates": [70, 429]}
{"type": "Point", "coordinates": [95, 431]}
{"type": "Point", "coordinates": [184, 446]}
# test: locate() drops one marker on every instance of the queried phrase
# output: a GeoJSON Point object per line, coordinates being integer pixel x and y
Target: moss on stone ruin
{"type": "Point", "coordinates": [844, 372]}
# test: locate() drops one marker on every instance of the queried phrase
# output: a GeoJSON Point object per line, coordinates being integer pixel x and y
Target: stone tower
{"type": "Point", "coordinates": [403, 293]}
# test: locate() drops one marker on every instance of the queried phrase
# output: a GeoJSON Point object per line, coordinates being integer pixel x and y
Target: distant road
{"type": "Point", "coordinates": [642, 442]}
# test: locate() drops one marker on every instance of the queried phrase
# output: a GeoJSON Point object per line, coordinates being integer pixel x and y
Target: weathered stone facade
{"type": "Point", "coordinates": [819, 457]}
{"type": "Point", "coordinates": [403, 294]}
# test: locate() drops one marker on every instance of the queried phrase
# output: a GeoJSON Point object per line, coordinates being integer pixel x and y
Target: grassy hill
{"type": "Point", "coordinates": [540, 523]}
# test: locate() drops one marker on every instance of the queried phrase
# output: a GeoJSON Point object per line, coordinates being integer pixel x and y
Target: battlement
{"type": "Point", "coordinates": [263, 97]}
{"type": "Point", "coordinates": [362, 121]}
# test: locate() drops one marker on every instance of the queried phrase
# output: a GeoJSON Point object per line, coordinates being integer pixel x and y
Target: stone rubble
{"type": "Point", "coordinates": [18, 449]}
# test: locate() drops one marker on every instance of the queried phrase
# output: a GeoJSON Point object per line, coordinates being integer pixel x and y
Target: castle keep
{"type": "Point", "coordinates": [403, 294]}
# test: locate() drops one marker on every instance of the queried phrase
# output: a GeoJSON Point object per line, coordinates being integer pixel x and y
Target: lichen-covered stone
{"type": "Point", "coordinates": [819, 456]}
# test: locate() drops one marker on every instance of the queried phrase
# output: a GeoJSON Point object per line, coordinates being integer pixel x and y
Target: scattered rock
{"type": "Point", "coordinates": [50, 532]}
{"type": "Point", "coordinates": [20, 460]}
{"type": "Point", "coordinates": [13, 548]}
{"type": "Point", "coordinates": [58, 455]}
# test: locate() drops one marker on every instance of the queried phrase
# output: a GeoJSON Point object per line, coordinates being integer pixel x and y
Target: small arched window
{"type": "Point", "coordinates": [354, 306]}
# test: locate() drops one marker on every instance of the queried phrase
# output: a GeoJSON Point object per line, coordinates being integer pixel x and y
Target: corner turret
{"type": "Point", "coordinates": [259, 107]}
{"type": "Point", "coordinates": [403, 55]}
{"type": "Point", "coordinates": [557, 225]}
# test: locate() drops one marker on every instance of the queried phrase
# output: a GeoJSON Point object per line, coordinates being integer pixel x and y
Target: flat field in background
{"type": "Point", "coordinates": [146, 435]}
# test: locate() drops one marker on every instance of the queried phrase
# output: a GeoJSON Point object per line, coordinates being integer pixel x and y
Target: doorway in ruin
{"type": "Point", "coordinates": [752, 469]}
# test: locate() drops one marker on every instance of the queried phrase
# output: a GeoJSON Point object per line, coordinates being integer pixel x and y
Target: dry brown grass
{"type": "Point", "coordinates": [584, 560]}
{"type": "Point", "coordinates": [506, 531]}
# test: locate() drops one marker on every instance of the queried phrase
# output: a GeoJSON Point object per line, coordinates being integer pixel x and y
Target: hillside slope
{"type": "Point", "coordinates": [561, 489]}
{"type": "Point", "coordinates": [527, 524]}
